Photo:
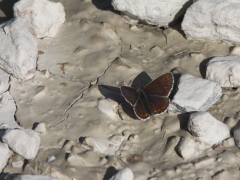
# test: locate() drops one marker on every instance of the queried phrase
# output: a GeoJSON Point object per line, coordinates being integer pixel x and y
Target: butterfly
{"type": "Point", "coordinates": [152, 99]}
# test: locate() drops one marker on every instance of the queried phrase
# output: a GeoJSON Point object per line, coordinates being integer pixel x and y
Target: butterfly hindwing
{"type": "Point", "coordinates": [141, 110]}
{"type": "Point", "coordinates": [157, 104]}
{"type": "Point", "coordinates": [161, 86]}
{"type": "Point", "coordinates": [130, 94]}
{"type": "Point", "coordinates": [152, 99]}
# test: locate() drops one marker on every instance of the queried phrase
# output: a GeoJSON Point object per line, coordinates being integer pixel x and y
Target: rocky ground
{"type": "Point", "coordinates": [93, 54]}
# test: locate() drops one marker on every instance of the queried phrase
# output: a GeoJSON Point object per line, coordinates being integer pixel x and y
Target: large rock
{"type": "Point", "coordinates": [18, 52]}
{"type": "Point", "coordinates": [207, 129]}
{"type": "Point", "coordinates": [4, 81]}
{"type": "Point", "coordinates": [194, 94]}
{"type": "Point", "coordinates": [124, 174]}
{"type": "Point", "coordinates": [153, 12]}
{"type": "Point", "coordinates": [44, 16]}
{"type": "Point", "coordinates": [224, 70]}
{"type": "Point", "coordinates": [4, 151]}
{"type": "Point", "coordinates": [7, 111]}
{"type": "Point", "coordinates": [213, 20]}
{"type": "Point", "coordinates": [24, 142]}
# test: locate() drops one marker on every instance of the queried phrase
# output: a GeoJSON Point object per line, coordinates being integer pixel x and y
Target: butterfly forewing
{"type": "Point", "coordinates": [161, 86]}
{"type": "Point", "coordinates": [130, 94]}
{"type": "Point", "coordinates": [157, 104]}
{"type": "Point", "coordinates": [141, 110]}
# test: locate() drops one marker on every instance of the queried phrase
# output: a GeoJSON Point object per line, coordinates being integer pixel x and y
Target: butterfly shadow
{"type": "Point", "coordinates": [176, 78]}
{"type": "Point", "coordinates": [114, 93]}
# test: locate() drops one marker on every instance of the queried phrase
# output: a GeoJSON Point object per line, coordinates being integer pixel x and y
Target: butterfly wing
{"type": "Point", "coordinates": [161, 86]}
{"type": "Point", "coordinates": [157, 104]}
{"type": "Point", "coordinates": [140, 110]}
{"type": "Point", "coordinates": [130, 94]}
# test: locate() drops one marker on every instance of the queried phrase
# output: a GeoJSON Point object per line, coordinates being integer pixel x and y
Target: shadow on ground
{"type": "Point", "coordinates": [6, 6]}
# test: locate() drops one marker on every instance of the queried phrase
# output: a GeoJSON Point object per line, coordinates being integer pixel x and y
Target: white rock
{"type": "Point", "coordinates": [7, 111]}
{"type": "Point", "coordinates": [224, 70]}
{"type": "Point", "coordinates": [24, 142]}
{"type": "Point", "coordinates": [188, 148]}
{"type": "Point", "coordinates": [235, 51]}
{"type": "Point", "coordinates": [51, 158]}
{"type": "Point", "coordinates": [4, 151]}
{"type": "Point", "coordinates": [28, 177]}
{"type": "Point", "coordinates": [40, 128]}
{"type": "Point", "coordinates": [108, 147]}
{"type": "Point", "coordinates": [18, 54]}
{"type": "Point", "coordinates": [208, 129]}
{"type": "Point", "coordinates": [194, 94]}
{"type": "Point", "coordinates": [108, 107]}
{"type": "Point", "coordinates": [4, 81]}
{"type": "Point", "coordinates": [213, 20]}
{"type": "Point", "coordinates": [124, 174]}
{"type": "Point", "coordinates": [18, 164]}
{"type": "Point", "coordinates": [44, 16]}
{"type": "Point", "coordinates": [153, 12]}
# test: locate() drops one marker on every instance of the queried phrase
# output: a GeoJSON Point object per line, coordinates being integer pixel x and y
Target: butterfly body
{"type": "Point", "coordinates": [152, 99]}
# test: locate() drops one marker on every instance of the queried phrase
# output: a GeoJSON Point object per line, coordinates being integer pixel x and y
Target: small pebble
{"type": "Point", "coordinates": [17, 164]}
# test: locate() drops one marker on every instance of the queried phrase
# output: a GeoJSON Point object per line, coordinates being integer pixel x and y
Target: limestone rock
{"type": "Point", "coordinates": [18, 55]}
{"type": "Point", "coordinates": [44, 16]}
{"type": "Point", "coordinates": [18, 164]}
{"type": "Point", "coordinates": [24, 142]}
{"type": "Point", "coordinates": [40, 128]}
{"type": "Point", "coordinates": [124, 174]}
{"type": "Point", "coordinates": [4, 151]}
{"type": "Point", "coordinates": [194, 94]}
{"type": "Point", "coordinates": [235, 51]}
{"type": "Point", "coordinates": [108, 107]}
{"type": "Point", "coordinates": [213, 20]}
{"type": "Point", "coordinates": [4, 81]}
{"type": "Point", "coordinates": [7, 111]}
{"type": "Point", "coordinates": [224, 70]}
{"type": "Point", "coordinates": [188, 148]}
{"type": "Point", "coordinates": [208, 129]}
{"type": "Point", "coordinates": [153, 12]}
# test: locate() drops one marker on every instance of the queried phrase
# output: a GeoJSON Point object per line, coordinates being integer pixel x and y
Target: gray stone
{"type": "Point", "coordinates": [18, 55]}
{"type": "Point", "coordinates": [194, 94]}
{"type": "Point", "coordinates": [207, 128]}
{"type": "Point", "coordinates": [24, 142]}
{"type": "Point", "coordinates": [153, 12]}
{"type": "Point", "coordinates": [213, 20]}
{"type": "Point", "coordinates": [44, 16]}
{"type": "Point", "coordinates": [224, 70]}
{"type": "Point", "coordinates": [4, 151]}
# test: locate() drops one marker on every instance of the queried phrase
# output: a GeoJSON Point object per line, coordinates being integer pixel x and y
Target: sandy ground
{"type": "Point", "coordinates": [88, 60]}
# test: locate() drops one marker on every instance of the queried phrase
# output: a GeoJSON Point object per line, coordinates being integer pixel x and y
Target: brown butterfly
{"type": "Point", "coordinates": [152, 99]}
